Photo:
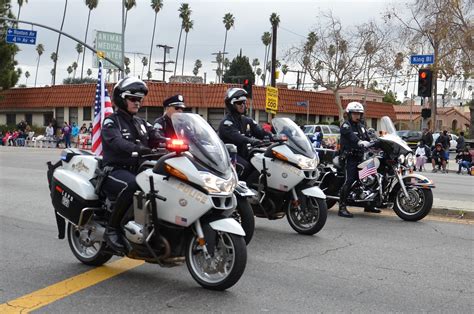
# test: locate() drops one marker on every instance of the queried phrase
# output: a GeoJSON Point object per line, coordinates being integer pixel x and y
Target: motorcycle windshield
{"type": "Point", "coordinates": [204, 144]}
{"type": "Point", "coordinates": [389, 133]}
{"type": "Point", "coordinates": [297, 140]}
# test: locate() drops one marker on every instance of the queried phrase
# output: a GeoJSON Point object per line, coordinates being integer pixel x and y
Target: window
{"type": "Point", "coordinates": [214, 116]}
{"type": "Point", "coordinates": [335, 129]}
{"type": "Point", "coordinates": [47, 117]}
{"type": "Point", "coordinates": [262, 116]}
{"type": "Point", "coordinates": [325, 129]}
{"type": "Point", "coordinates": [73, 115]}
{"type": "Point", "coordinates": [374, 123]}
{"type": "Point", "coordinates": [60, 116]}
{"type": "Point", "coordinates": [29, 118]}
{"type": "Point", "coordinates": [87, 113]}
{"type": "Point", "coordinates": [11, 119]}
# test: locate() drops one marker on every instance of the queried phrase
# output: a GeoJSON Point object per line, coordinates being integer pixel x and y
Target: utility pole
{"type": "Point", "coordinates": [166, 50]}
{"type": "Point", "coordinates": [274, 53]}
{"type": "Point", "coordinates": [298, 72]}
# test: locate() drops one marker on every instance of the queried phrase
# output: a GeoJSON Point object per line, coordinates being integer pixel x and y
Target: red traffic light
{"type": "Point", "coordinates": [246, 82]}
{"type": "Point", "coordinates": [423, 75]}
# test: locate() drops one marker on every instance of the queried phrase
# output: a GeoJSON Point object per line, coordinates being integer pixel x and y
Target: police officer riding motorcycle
{"type": "Point", "coordinates": [122, 134]}
{"type": "Point", "coordinates": [354, 138]}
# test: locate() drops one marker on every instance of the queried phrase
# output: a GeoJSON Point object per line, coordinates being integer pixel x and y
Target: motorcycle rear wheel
{"type": "Point", "coordinates": [87, 251]}
{"type": "Point", "coordinates": [417, 207]}
{"type": "Point", "coordinates": [222, 270]}
{"type": "Point", "coordinates": [316, 211]}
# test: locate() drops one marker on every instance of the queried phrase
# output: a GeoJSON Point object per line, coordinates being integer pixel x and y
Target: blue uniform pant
{"type": "Point", "coordinates": [351, 174]}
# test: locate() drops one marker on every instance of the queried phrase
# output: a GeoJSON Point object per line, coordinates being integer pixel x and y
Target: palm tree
{"type": "Point", "coordinates": [129, 4]}
{"type": "Point", "coordinates": [275, 21]}
{"type": "Point", "coordinates": [197, 66]}
{"type": "Point", "coordinates": [59, 40]}
{"type": "Point", "coordinates": [79, 49]}
{"type": "Point", "coordinates": [258, 72]}
{"type": "Point", "coordinates": [20, 4]}
{"type": "Point", "coordinates": [39, 50]}
{"type": "Point", "coordinates": [89, 72]}
{"type": "Point", "coordinates": [184, 14]}
{"type": "Point", "coordinates": [145, 63]}
{"type": "Point", "coordinates": [266, 40]}
{"type": "Point", "coordinates": [229, 21]}
{"type": "Point", "coordinates": [74, 66]}
{"type": "Point", "coordinates": [187, 26]}
{"type": "Point", "coordinates": [284, 70]}
{"type": "Point", "coordinates": [308, 50]}
{"type": "Point", "coordinates": [255, 64]}
{"type": "Point", "coordinates": [53, 57]}
{"type": "Point", "coordinates": [91, 4]}
{"type": "Point", "coordinates": [27, 75]}
{"type": "Point", "coordinates": [69, 71]}
{"type": "Point", "coordinates": [156, 5]}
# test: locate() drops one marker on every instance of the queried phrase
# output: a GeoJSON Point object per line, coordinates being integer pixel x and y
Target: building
{"type": "Point", "coordinates": [357, 94]}
{"type": "Point", "coordinates": [73, 103]}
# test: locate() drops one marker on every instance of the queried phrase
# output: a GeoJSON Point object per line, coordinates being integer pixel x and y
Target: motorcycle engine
{"type": "Point", "coordinates": [369, 181]}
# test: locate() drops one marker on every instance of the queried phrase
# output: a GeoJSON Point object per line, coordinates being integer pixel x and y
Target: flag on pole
{"type": "Point", "coordinates": [102, 109]}
{"type": "Point", "coordinates": [368, 170]}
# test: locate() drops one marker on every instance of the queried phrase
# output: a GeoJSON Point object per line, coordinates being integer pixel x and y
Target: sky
{"type": "Point", "coordinates": [297, 17]}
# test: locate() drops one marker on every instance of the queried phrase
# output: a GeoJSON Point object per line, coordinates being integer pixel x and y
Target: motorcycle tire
{"type": "Point", "coordinates": [425, 197]}
{"type": "Point", "coordinates": [312, 202]}
{"type": "Point", "coordinates": [91, 254]}
{"type": "Point", "coordinates": [244, 215]}
{"type": "Point", "coordinates": [224, 268]}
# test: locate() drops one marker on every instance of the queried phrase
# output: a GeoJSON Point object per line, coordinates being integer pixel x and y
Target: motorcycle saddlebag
{"type": "Point", "coordinates": [73, 197]}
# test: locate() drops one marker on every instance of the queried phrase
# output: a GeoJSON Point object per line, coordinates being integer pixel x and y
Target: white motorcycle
{"type": "Point", "coordinates": [182, 212]}
{"type": "Point", "coordinates": [282, 180]}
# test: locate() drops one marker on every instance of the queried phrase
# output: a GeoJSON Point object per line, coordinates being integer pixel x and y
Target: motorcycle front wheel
{"type": "Point", "coordinates": [86, 249]}
{"type": "Point", "coordinates": [309, 216]}
{"type": "Point", "coordinates": [244, 215]}
{"type": "Point", "coordinates": [417, 207]}
{"type": "Point", "coordinates": [224, 268]}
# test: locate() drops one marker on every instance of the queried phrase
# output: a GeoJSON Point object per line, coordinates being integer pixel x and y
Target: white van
{"type": "Point", "coordinates": [331, 133]}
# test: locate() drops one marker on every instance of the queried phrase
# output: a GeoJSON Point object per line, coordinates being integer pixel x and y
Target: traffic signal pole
{"type": "Point", "coordinates": [120, 67]}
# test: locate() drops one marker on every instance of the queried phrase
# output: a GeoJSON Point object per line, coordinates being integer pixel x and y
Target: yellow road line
{"type": "Point", "coordinates": [55, 292]}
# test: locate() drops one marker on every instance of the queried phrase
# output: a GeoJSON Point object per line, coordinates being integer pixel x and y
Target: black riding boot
{"type": "Point", "coordinates": [343, 212]}
{"type": "Point", "coordinates": [372, 209]}
{"type": "Point", "coordinates": [114, 239]}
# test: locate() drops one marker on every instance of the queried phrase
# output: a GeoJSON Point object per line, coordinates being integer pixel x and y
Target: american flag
{"type": "Point", "coordinates": [102, 109]}
{"type": "Point", "coordinates": [368, 170]}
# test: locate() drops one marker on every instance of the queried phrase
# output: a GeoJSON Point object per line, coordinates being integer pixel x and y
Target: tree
{"type": "Point", "coordinates": [184, 14]}
{"type": "Point", "coordinates": [229, 21]}
{"type": "Point", "coordinates": [89, 72]}
{"type": "Point", "coordinates": [255, 64]}
{"type": "Point", "coordinates": [197, 66]}
{"type": "Point", "coordinates": [275, 22]}
{"type": "Point", "coordinates": [266, 40]}
{"type": "Point", "coordinates": [145, 63]}
{"type": "Point", "coordinates": [79, 50]}
{"type": "Point", "coordinates": [39, 50]}
{"type": "Point", "coordinates": [20, 4]}
{"type": "Point", "coordinates": [57, 45]}
{"type": "Point", "coordinates": [239, 70]}
{"type": "Point", "coordinates": [8, 75]}
{"type": "Point", "coordinates": [284, 70]}
{"type": "Point", "coordinates": [91, 4]}
{"type": "Point", "coordinates": [69, 70]}
{"type": "Point", "coordinates": [311, 41]}
{"type": "Point", "coordinates": [187, 26]}
{"type": "Point", "coordinates": [74, 66]}
{"type": "Point", "coordinates": [129, 4]}
{"type": "Point", "coordinates": [156, 5]}
{"type": "Point", "coordinates": [27, 75]}
{"type": "Point", "coordinates": [443, 27]}
{"type": "Point", "coordinates": [390, 97]}
{"type": "Point", "coordinates": [53, 57]}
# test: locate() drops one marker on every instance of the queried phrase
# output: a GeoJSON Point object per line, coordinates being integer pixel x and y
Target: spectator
{"type": "Point", "coordinates": [443, 139]}
{"type": "Point", "coordinates": [75, 133]}
{"type": "Point", "coordinates": [83, 129]}
{"type": "Point", "coordinates": [461, 144]}
{"type": "Point", "coordinates": [49, 131]}
{"type": "Point", "coordinates": [422, 153]}
{"type": "Point", "coordinates": [54, 123]}
{"type": "Point", "coordinates": [13, 136]}
{"type": "Point", "coordinates": [438, 158]}
{"type": "Point", "coordinates": [464, 160]}
{"type": "Point", "coordinates": [1, 138]}
{"type": "Point", "coordinates": [427, 137]}
{"type": "Point", "coordinates": [89, 129]}
{"type": "Point", "coordinates": [22, 126]}
{"type": "Point", "coordinates": [5, 138]}
{"type": "Point", "coordinates": [317, 137]}
{"type": "Point", "coordinates": [66, 131]}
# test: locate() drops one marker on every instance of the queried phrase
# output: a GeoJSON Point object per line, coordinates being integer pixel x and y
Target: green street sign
{"type": "Point", "coordinates": [111, 45]}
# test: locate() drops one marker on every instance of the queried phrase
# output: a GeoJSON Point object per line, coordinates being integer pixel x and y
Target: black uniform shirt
{"type": "Point", "coordinates": [351, 134]}
{"type": "Point", "coordinates": [123, 134]}
{"type": "Point", "coordinates": [164, 126]}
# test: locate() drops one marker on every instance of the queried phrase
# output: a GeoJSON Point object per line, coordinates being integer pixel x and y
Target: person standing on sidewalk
{"type": "Point", "coordinates": [66, 130]}
{"type": "Point", "coordinates": [427, 137]}
{"type": "Point", "coordinates": [461, 143]}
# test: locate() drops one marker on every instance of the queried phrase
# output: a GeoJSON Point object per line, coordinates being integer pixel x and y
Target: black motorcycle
{"type": "Point", "coordinates": [410, 195]}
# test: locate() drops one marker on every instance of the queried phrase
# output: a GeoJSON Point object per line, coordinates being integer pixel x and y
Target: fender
{"type": "Point", "coordinates": [243, 190]}
{"type": "Point", "coordinates": [229, 225]}
{"type": "Point", "coordinates": [314, 191]}
{"type": "Point", "coordinates": [415, 179]}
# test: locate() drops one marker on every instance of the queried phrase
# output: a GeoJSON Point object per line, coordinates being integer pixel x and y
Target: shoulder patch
{"type": "Point", "coordinates": [254, 122]}
{"type": "Point", "coordinates": [345, 125]}
{"type": "Point", "coordinates": [108, 123]}
{"type": "Point", "coordinates": [228, 122]}
{"type": "Point", "coordinates": [158, 126]}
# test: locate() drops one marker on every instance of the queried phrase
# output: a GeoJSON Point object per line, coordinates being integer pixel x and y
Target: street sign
{"type": "Point", "coordinates": [21, 36]}
{"type": "Point", "coordinates": [110, 45]}
{"type": "Point", "coordinates": [271, 100]}
{"type": "Point", "coordinates": [422, 59]}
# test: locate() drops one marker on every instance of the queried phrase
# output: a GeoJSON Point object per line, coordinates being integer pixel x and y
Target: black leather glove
{"type": "Point", "coordinates": [255, 142]}
{"type": "Point", "coordinates": [143, 150]}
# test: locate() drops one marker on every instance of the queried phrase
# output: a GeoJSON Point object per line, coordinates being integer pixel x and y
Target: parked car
{"type": "Point", "coordinates": [452, 140]}
{"type": "Point", "coordinates": [411, 137]}
{"type": "Point", "coordinates": [331, 134]}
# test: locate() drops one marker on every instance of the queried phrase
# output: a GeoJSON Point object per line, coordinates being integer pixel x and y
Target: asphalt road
{"type": "Point", "coordinates": [372, 263]}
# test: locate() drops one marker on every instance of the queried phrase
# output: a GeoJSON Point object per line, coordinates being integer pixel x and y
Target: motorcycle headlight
{"type": "Point", "coordinates": [215, 184]}
{"type": "Point", "coordinates": [306, 163]}
{"type": "Point", "coordinates": [401, 159]}
{"type": "Point", "coordinates": [410, 160]}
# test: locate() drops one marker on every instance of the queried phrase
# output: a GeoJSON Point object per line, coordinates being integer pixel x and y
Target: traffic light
{"type": "Point", "coordinates": [425, 82]}
{"type": "Point", "coordinates": [425, 113]}
{"type": "Point", "coordinates": [248, 87]}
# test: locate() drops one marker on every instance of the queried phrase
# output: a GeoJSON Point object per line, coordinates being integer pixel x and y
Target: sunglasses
{"type": "Point", "coordinates": [239, 103]}
{"type": "Point", "coordinates": [134, 99]}
{"type": "Point", "coordinates": [178, 108]}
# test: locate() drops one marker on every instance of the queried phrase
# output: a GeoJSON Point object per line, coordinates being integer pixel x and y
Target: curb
{"type": "Point", "coordinates": [453, 213]}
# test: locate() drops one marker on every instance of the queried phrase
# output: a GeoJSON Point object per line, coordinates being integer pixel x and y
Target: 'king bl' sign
{"type": "Point", "coordinates": [422, 59]}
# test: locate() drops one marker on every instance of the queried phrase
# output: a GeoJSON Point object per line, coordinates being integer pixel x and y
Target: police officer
{"type": "Point", "coordinates": [122, 134]}
{"type": "Point", "coordinates": [354, 138]}
{"type": "Point", "coordinates": [163, 124]}
{"type": "Point", "coordinates": [238, 129]}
